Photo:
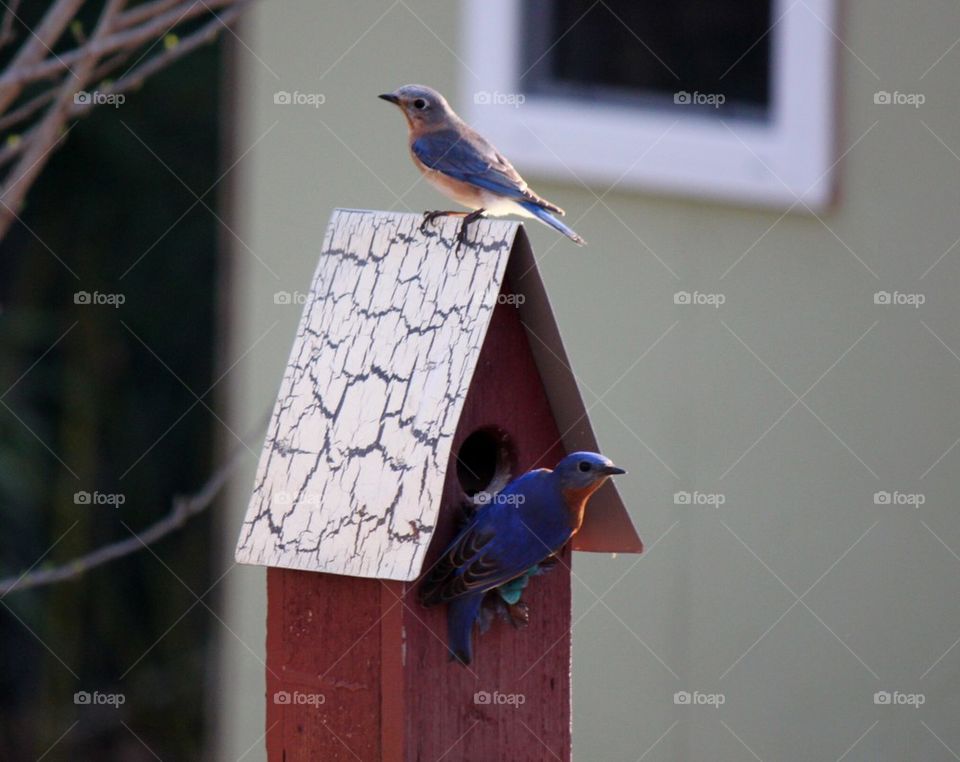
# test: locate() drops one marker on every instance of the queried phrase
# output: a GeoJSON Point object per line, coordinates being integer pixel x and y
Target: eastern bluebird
{"type": "Point", "coordinates": [464, 166]}
{"type": "Point", "coordinates": [531, 519]}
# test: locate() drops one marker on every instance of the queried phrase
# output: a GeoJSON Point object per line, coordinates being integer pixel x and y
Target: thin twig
{"type": "Point", "coordinates": [182, 509]}
{"type": "Point", "coordinates": [202, 36]}
{"type": "Point", "coordinates": [37, 45]}
{"type": "Point", "coordinates": [129, 81]}
{"type": "Point", "coordinates": [144, 12]}
{"type": "Point", "coordinates": [134, 37]}
{"type": "Point", "coordinates": [6, 26]}
{"type": "Point", "coordinates": [50, 129]}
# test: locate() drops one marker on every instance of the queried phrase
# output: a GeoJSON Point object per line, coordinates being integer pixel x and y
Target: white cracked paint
{"type": "Point", "coordinates": [353, 466]}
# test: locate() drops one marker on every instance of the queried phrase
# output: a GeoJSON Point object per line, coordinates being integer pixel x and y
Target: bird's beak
{"type": "Point", "coordinates": [391, 98]}
{"type": "Point", "coordinates": [611, 470]}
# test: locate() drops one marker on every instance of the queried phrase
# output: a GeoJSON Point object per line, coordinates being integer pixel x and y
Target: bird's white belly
{"type": "Point", "coordinates": [498, 206]}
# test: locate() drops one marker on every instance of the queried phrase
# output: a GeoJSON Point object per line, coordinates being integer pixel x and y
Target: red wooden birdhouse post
{"type": "Point", "coordinates": [424, 376]}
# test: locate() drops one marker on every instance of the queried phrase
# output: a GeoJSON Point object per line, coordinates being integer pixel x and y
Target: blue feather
{"type": "Point", "coordinates": [461, 615]}
{"type": "Point", "coordinates": [548, 219]}
{"type": "Point", "coordinates": [459, 157]}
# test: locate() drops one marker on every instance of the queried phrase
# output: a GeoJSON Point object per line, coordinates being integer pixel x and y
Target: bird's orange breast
{"type": "Point", "coordinates": [463, 193]}
{"type": "Point", "coordinates": [576, 499]}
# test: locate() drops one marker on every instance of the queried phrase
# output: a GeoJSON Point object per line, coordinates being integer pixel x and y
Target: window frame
{"type": "Point", "coordinates": [784, 161]}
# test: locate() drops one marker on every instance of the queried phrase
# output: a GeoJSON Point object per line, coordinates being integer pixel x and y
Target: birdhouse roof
{"type": "Point", "coordinates": [355, 458]}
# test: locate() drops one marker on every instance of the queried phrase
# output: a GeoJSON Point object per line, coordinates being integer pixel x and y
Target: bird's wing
{"type": "Point", "coordinates": [495, 547]}
{"type": "Point", "coordinates": [466, 156]}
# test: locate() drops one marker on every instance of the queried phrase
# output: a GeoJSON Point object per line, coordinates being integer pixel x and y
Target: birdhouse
{"type": "Point", "coordinates": [424, 373]}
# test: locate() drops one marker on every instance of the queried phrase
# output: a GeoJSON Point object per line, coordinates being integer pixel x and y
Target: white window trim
{"type": "Point", "coordinates": [777, 163]}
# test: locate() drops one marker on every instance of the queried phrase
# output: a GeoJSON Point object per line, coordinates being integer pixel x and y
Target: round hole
{"type": "Point", "coordinates": [485, 462]}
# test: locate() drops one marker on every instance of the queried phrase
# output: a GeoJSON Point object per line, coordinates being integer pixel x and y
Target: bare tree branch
{"type": "Point", "coordinates": [119, 35]}
{"type": "Point", "coordinates": [182, 509]}
{"type": "Point", "coordinates": [48, 135]}
{"type": "Point", "coordinates": [132, 37]}
{"type": "Point", "coordinates": [6, 26]}
{"type": "Point", "coordinates": [38, 44]}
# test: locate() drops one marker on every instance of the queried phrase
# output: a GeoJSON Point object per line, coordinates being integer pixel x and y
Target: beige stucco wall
{"type": "Point", "coordinates": [716, 390]}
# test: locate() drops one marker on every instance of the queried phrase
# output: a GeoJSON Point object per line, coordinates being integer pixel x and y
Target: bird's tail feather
{"type": "Point", "coordinates": [548, 219]}
{"type": "Point", "coordinates": [461, 615]}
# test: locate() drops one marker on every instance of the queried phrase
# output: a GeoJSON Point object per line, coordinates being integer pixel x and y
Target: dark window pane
{"type": "Point", "coordinates": [628, 51]}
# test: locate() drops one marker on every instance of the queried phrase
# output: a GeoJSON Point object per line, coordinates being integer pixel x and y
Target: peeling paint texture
{"type": "Point", "coordinates": [353, 466]}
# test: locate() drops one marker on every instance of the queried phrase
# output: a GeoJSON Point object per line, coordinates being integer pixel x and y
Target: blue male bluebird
{"type": "Point", "coordinates": [531, 519]}
{"type": "Point", "coordinates": [464, 166]}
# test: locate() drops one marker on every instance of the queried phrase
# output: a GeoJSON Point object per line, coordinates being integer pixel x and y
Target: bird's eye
{"type": "Point", "coordinates": [584, 465]}
{"type": "Point", "coordinates": [420, 103]}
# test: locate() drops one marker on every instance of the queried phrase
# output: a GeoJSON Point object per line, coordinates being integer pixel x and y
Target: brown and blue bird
{"type": "Point", "coordinates": [465, 167]}
{"type": "Point", "coordinates": [507, 539]}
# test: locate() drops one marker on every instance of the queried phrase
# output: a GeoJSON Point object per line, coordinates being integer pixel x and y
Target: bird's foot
{"type": "Point", "coordinates": [519, 614]}
{"type": "Point", "coordinates": [429, 217]}
{"type": "Point", "coordinates": [472, 217]}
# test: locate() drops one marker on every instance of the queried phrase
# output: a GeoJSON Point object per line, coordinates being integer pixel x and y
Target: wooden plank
{"type": "Point", "coordinates": [533, 664]}
{"type": "Point", "coordinates": [393, 648]}
{"type": "Point", "coordinates": [323, 667]}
